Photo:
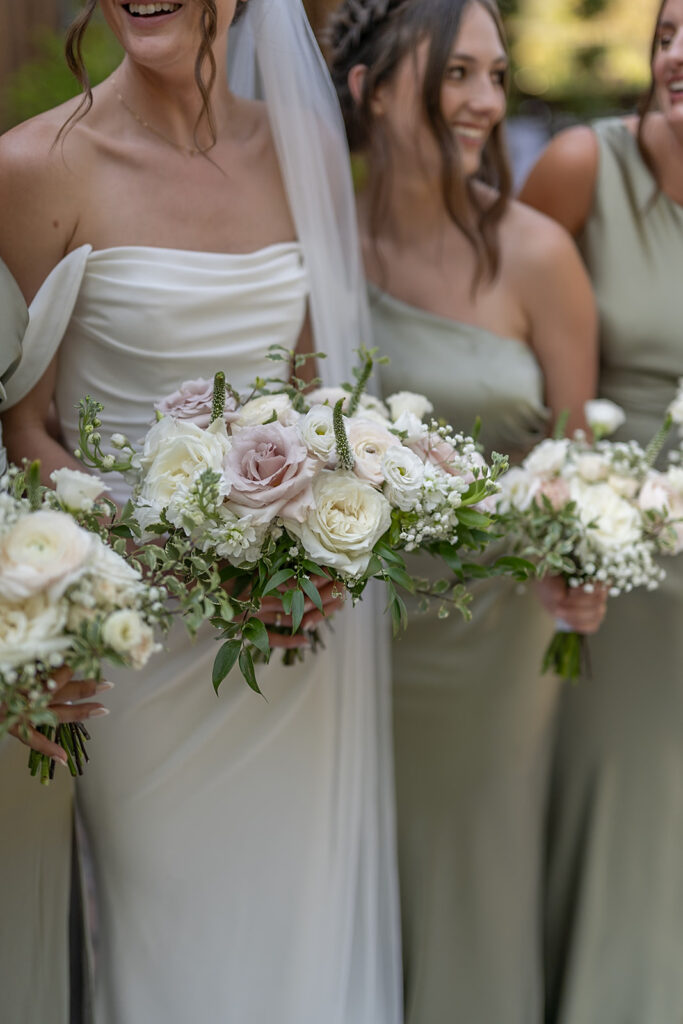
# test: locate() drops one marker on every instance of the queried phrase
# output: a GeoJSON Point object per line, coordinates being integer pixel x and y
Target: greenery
{"type": "Point", "coordinates": [46, 81]}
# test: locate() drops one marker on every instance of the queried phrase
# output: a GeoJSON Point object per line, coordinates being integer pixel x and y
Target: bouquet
{"type": "Point", "coordinates": [596, 513]}
{"type": "Point", "coordinates": [67, 598]}
{"type": "Point", "coordinates": [278, 486]}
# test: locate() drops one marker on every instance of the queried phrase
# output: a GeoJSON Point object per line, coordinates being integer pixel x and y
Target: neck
{"type": "Point", "coordinates": [170, 102]}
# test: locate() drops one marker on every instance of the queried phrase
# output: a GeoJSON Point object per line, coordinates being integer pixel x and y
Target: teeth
{"type": "Point", "coordinates": [159, 8]}
{"type": "Point", "coordinates": [470, 133]}
{"type": "Point", "coordinates": [676, 86]}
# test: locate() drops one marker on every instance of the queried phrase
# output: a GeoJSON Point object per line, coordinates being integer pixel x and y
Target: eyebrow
{"type": "Point", "coordinates": [466, 59]}
{"type": "Point", "coordinates": [665, 24]}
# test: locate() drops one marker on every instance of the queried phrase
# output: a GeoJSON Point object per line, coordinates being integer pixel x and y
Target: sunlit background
{"type": "Point", "coordinates": [572, 59]}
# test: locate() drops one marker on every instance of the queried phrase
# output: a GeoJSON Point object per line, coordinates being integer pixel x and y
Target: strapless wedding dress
{"type": "Point", "coordinates": [242, 847]}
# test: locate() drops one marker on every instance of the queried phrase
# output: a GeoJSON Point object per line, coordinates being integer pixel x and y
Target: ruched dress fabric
{"type": "Point", "coordinates": [472, 714]}
{"type": "Point", "coordinates": [242, 848]}
{"type": "Point", "coordinates": [615, 873]}
{"type": "Point", "coordinates": [35, 823]}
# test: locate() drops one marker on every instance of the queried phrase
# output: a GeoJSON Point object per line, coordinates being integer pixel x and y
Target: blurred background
{"type": "Point", "coordinates": [572, 60]}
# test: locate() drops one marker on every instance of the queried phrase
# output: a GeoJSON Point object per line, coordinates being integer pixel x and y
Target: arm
{"type": "Point", "coordinates": [562, 182]}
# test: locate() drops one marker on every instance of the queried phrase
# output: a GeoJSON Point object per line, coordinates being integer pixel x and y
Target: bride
{"type": "Point", "coordinates": [242, 848]}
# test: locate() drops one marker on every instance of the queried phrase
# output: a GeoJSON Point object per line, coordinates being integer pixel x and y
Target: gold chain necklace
{"type": "Point", "coordinates": [190, 150]}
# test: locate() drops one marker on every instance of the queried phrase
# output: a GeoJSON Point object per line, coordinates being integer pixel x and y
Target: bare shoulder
{"type": "Point", "coordinates": [38, 195]}
{"type": "Point", "coordinates": [562, 183]}
{"type": "Point", "coordinates": [534, 243]}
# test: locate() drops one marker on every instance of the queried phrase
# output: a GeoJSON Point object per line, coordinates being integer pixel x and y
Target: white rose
{"type": "Point", "coordinates": [32, 630]}
{"type": "Point", "coordinates": [409, 401]}
{"type": "Point", "coordinates": [262, 410]}
{"type": "Point", "coordinates": [175, 455]}
{"type": "Point", "coordinates": [661, 493]}
{"type": "Point", "coordinates": [592, 467]}
{"type": "Point", "coordinates": [404, 474]}
{"type": "Point", "coordinates": [43, 551]}
{"type": "Point", "coordinates": [77, 491]}
{"type": "Point", "coordinates": [604, 416]}
{"type": "Point", "coordinates": [126, 632]}
{"type": "Point", "coordinates": [317, 432]}
{"type": "Point", "coordinates": [626, 486]}
{"type": "Point", "coordinates": [612, 520]}
{"type": "Point", "coordinates": [348, 519]}
{"type": "Point", "coordinates": [369, 441]}
{"type": "Point", "coordinates": [547, 458]}
{"type": "Point", "coordinates": [518, 489]}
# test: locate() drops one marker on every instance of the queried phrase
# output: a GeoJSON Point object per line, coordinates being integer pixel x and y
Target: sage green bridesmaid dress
{"type": "Point", "coordinates": [473, 717]}
{"type": "Point", "coordinates": [35, 827]}
{"type": "Point", "coordinates": [615, 869]}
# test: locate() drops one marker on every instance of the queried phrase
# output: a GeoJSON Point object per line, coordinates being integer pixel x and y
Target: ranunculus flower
{"type": "Point", "coordinates": [348, 518]}
{"type": "Point", "coordinates": [547, 458]}
{"type": "Point", "coordinates": [613, 521]}
{"type": "Point", "coordinates": [262, 409]}
{"type": "Point", "coordinates": [317, 432]}
{"type": "Point", "coordinates": [32, 630]}
{"type": "Point", "coordinates": [43, 551]}
{"type": "Point", "coordinates": [409, 401]}
{"type": "Point", "coordinates": [193, 402]}
{"type": "Point", "coordinates": [126, 632]}
{"type": "Point", "coordinates": [403, 476]}
{"type": "Point", "coordinates": [604, 416]}
{"type": "Point", "coordinates": [77, 491]}
{"type": "Point", "coordinates": [369, 441]}
{"type": "Point", "coordinates": [175, 455]}
{"type": "Point", "coordinates": [268, 472]}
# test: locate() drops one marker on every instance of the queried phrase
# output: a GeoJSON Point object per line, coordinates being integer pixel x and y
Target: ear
{"type": "Point", "coordinates": [356, 82]}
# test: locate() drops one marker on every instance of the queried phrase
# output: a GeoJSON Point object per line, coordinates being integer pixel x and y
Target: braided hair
{"type": "Point", "coordinates": [379, 34]}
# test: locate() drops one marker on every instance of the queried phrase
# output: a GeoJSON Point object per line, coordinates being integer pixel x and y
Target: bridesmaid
{"type": "Point", "coordinates": [483, 305]}
{"type": "Point", "coordinates": [615, 872]}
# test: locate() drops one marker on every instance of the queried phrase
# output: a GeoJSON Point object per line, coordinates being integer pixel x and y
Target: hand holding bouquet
{"type": "Point", "coordinates": [595, 513]}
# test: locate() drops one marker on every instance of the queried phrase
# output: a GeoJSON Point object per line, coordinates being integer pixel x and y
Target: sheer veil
{"type": "Point", "coordinates": [273, 52]}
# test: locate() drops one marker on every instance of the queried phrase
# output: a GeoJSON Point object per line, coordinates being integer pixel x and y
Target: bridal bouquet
{"type": "Point", "coordinates": [67, 598]}
{"type": "Point", "coordinates": [596, 513]}
{"type": "Point", "coordinates": [278, 486]}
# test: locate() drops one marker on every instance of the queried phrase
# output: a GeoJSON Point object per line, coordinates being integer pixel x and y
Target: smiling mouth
{"type": "Point", "coordinates": [152, 10]}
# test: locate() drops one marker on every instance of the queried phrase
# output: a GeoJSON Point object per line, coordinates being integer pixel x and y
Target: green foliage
{"type": "Point", "coordinates": [46, 81]}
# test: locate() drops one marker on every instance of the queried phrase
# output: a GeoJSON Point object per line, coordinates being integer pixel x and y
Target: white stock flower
{"type": "Point", "coordinates": [175, 454]}
{"type": "Point", "coordinates": [403, 476]}
{"type": "Point", "coordinates": [42, 551]}
{"type": "Point", "coordinates": [613, 521]}
{"type": "Point", "coordinates": [262, 409]}
{"type": "Point", "coordinates": [317, 432]}
{"type": "Point", "coordinates": [369, 441]}
{"type": "Point", "coordinates": [32, 630]}
{"type": "Point", "coordinates": [604, 416]}
{"type": "Point", "coordinates": [412, 427]}
{"type": "Point", "coordinates": [126, 632]}
{"type": "Point", "coordinates": [409, 401]}
{"type": "Point", "coordinates": [547, 458]}
{"type": "Point", "coordinates": [77, 491]}
{"type": "Point", "coordinates": [348, 519]}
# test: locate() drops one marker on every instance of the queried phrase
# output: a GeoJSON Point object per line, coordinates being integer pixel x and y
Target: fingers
{"type": "Point", "coordinates": [580, 611]}
{"type": "Point", "coordinates": [78, 689]}
{"type": "Point", "coordinates": [77, 712]}
{"type": "Point", "coordinates": [288, 642]}
{"type": "Point", "coordinates": [36, 741]}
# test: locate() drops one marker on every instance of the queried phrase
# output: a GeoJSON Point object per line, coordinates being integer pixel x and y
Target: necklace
{"type": "Point", "coordinates": [189, 150]}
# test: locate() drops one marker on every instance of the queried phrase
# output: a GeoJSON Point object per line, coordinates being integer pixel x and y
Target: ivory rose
{"type": "Point", "coordinates": [175, 455]}
{"type": "Point", "coordinates": [126, 632]}
{"type": "Point", "coordinates": [43, 551]}
{"type": "Point", "coordinates": [348, 518]}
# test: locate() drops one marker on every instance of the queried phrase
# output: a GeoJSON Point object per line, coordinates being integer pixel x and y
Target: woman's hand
{"type": "Point", "coordinates": [63, 705]}
{"type": "Point", "coordinates": [580, 611]}
{"type": "Point", "coordinates": [271, 613]}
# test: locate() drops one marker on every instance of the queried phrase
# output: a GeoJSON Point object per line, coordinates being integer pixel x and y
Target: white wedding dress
{"type": "Point", "coordinates": [242, 848]}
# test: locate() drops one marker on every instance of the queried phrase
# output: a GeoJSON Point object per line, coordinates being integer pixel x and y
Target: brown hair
{"type": "Point", "coordinates": [646, 104]}
{"type": "Point", "coordinates": [379, 34]}
{"type": "Point", "coordinates": [76, 63]}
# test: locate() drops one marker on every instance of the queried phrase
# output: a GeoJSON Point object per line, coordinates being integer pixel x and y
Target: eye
{"type": "Point", "coordinates": [498, 77]}
{"type": "Point", "coordinates": [665, 41]}
{"type": "Point", "coordinates": [456, 72]}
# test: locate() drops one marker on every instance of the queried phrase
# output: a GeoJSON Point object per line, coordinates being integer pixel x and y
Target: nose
{"type": "Point", "coordinates": [674, 52]}
{"type": "Point", "coordinates": [486, 97]}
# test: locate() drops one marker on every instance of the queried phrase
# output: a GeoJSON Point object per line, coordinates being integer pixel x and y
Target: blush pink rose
{"type": "Point", "coordinates": [269, 472]}
{"type": "Point", "coordinates": [193, 401]}
{"type": "Point", "coordinates": [555, 490]}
